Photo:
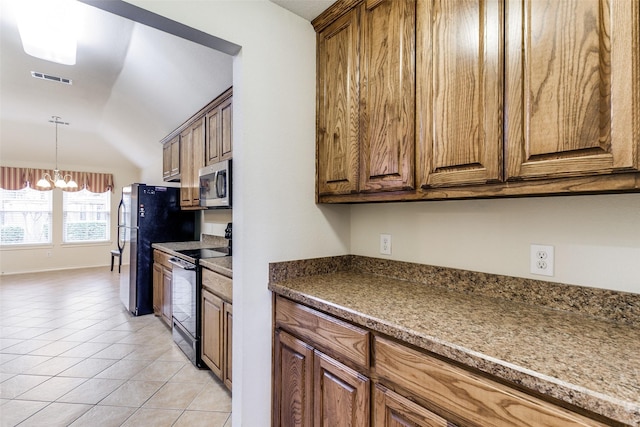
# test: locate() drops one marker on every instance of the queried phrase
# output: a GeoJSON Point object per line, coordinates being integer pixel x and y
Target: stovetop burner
{"type": "Point", "coordinates": [205, 253]}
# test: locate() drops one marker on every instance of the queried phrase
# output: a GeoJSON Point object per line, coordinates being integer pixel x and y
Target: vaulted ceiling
{"type": "Point", "coordinates": [132, 85]}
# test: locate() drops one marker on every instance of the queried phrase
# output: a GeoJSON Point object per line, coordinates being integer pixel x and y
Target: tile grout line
{"type": "Point", "coordinates": [98, 316]}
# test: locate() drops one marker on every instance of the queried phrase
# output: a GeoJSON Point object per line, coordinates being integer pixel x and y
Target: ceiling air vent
{"type": "Point", "coordinates": [49, 77]}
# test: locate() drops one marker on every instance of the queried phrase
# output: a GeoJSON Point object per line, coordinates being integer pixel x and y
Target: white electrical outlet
{"type": "Point", "coordinates": [542, 260]}
{"type": "Point", "coordinates": [385, 244]}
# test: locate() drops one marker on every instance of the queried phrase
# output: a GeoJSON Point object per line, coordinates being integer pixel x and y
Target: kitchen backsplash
{"type": "Point", "coordinates": [214, 241]}
{"type": "Point", "coordinates": [214, 221]}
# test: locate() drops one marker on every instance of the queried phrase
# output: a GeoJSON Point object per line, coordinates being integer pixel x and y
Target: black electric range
{"type": "Point", "coordinates": [186, 299]}
{"type": "Point", "coordinates": [197, 254]}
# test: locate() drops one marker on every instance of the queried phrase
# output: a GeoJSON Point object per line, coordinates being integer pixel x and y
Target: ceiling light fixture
{"type": "Point", "coordinates": [49, 29]}
{"type": "Point", "coordinates": [58, 180]}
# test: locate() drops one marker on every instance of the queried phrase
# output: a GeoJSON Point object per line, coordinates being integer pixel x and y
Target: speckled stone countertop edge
{"type": "Point", "coordinates": [591, 400]}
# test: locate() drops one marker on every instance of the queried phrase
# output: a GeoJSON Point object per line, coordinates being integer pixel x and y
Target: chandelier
{"type": "Point", "coordinates": [58, 180]}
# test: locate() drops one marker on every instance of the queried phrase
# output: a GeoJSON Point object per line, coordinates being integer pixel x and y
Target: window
{"type": "Point", "coordinates": [86, 216]}
{"type": "Point", "coordinates": [25, 217]}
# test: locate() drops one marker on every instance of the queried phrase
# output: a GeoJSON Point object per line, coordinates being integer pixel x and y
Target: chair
{"type": "Point", "coordinates": [116, 253]}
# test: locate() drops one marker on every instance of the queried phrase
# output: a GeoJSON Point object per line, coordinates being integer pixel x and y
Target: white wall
{"type": "Point", "coordinates": [65, 256]}
{"type": "Point", "coordinates": [274, 214]}
{"type": "Point", "coordinates": [596, 238]}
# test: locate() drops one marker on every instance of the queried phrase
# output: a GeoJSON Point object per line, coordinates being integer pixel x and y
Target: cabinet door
{"type": "Point", "coordinates": [226, 123]}
{"type": "Point", "coordinates": [227, 345]}
{"type": "Point", "coordinates": [571, 79]}
{"type": "Point", "coordinates": [192, 159]}
{"type": "Point", "coordinates": [171, 159]}
{"type": "Point", "coordinates": [393, 410]}
{"type": "Point", "coordinates": [212, 319]}
{"type": "Point", "coordinates": [459, 92]}
{"type": "Point", "coordinates": [166, 161]}
{"type": "Point", "coordinates": [219, 140]}
{"type": "Point", "coordinates": [158, 289]}
{"type": "Point", "coordinates": [186, 168]}
{"type": "Point", "coordinates": [175, 156]}
{"type": "Point", "coordinates": [197, 140]}
{"type": "Point", "coordinates": [293, 382]}
{"type": "Point", "coordinates": [341, 395]}
{"type": "Point", "coordinates": [387, 84]}
{"type": "Point", "coordinates": [212, 148]}
{"type": "Point", "coordinates": [167, 311]}
{"type": "Point", "coordinates": [337, 110]}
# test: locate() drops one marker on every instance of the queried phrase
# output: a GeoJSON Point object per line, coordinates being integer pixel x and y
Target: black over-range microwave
{"type": "Point", "coordinates": [215, 185]}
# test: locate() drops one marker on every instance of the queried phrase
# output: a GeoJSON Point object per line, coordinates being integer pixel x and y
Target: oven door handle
{"type": "Point", "coordinates": [180, 263]}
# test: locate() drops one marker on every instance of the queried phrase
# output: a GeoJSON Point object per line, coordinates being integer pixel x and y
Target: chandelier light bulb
{"type": "Point", "coordinates": [43, 183]}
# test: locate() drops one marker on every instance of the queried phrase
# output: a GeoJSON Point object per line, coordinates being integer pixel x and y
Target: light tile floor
{"type": "Point", "coordinates": [70, 355]}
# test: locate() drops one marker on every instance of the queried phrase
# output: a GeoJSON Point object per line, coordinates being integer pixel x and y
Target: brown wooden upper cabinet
{"type": "Point", "coordinates": [219, 122]}
{"type": "Point", "coordinates": [171, 159]}
{"type": "Point", "coordinates": [203, 139]}
{"type": "Point", "coordinates": [191, 160]}
{"type": "Point", "coordinates": [366, 95]}
{"type": "Point", "coordinates": [572, 87]}
{"type": "Point", "coordinates": [338, 100]}
{"type": "Point", "coordinates": [512, 97]}
{"type": "Point", "coordinates": [459, 92]}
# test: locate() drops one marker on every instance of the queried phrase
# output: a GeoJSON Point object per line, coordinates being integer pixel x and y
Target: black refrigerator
{"type": "Point", "coordinates": [148, 214]}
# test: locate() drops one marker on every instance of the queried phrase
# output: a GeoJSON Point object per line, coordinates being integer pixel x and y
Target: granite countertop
{"type": "Point", "coordinates": [222, 265]}
{"type": "Point", "coordinates": [587, 361]}
{"type": "Point", "coordinates": [219, 265]}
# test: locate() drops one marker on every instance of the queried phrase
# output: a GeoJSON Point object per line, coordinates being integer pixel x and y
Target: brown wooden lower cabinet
{"type": "Point", "coordinates": [157, 289]}
{"type": "Point", "coordinates": [212, 319]}
{"type": "Point", "coordinates": [217, 325]}
{"type": "Point", "coordinates": [320, 365]}
{"type": "Point", "coordinates": [394, 410]}
{"type": "Point", "coordinates": [293, 381]}
{"type": "Point", "coordinates": [227, 345]}
{"type": "Point", "coordinates": [313, 389]}
{"type": "Point", "coordinates": [340, 394]}
{"type": "Point", "coordinates": [167, 307]}
{"type": "Point", "coordinates": [461, 395]}
{"type": "Point", "coordinates": [162, 276]}
{"type": "Point", "coordinates": [323, 387]}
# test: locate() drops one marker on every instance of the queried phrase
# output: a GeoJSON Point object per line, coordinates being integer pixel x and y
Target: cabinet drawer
{"type": "Point", "coordinates": [161, 258]}
{"type": "Point", "coordinates": [218, 284]}
{"type": "Point", "coordinates": [333, 336]}
{"type": "Point", "coordinates": [471, 397]}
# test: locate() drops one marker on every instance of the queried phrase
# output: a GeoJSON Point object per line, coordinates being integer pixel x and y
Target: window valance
{"type": "Point", "coordinates": [12, 178]}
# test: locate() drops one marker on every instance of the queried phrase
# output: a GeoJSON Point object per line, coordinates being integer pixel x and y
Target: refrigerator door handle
{"type": "Point", "coordinates": [120, 212]}
{"type": "Point", "coordinates": [121, 233]}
